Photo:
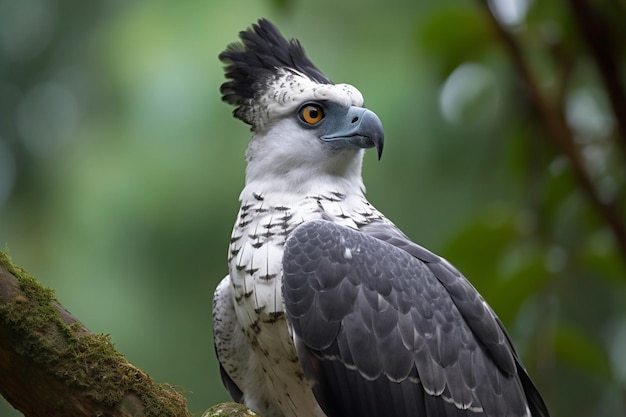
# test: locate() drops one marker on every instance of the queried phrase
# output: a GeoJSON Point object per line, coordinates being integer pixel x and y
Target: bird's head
{"type": "Point", "coordinates": [304, 125]}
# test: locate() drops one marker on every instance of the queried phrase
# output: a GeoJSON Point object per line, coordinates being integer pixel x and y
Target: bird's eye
{"type": "Point", "coordinates": [311, 113]}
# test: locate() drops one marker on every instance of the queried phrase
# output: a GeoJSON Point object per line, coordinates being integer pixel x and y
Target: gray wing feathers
{"type": "Point", "coordinates": [383, 333]}
{"type": "Point", "coordinates": [478, 315]}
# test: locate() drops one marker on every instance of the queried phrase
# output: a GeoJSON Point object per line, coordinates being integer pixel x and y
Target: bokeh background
{"type": "Point", "coordinates": [120, 167]}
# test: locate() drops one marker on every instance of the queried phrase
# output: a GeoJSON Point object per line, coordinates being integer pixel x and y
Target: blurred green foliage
{"type": "Point", "coordinates": [120, 168]}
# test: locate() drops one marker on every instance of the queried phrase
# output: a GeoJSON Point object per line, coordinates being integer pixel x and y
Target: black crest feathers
{"type": "Point", "coordinates": [254, 61]}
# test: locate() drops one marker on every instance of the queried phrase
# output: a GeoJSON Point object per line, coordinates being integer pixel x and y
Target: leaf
{"type": "Point", "coordinates": [477, 249]}
{"type": "Point", "coordinates": [454, 35]}
{"type": "Point", "coordinates": [580, 350]}
{"type": "Point", "coordinates": [493, 254]}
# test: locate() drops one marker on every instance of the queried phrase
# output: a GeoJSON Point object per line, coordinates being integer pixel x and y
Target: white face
{"type": "Point", "coordinates": [291, 89]}
{"type": "Point", "coordinates": [294, 153]}
{"type": "Point", "coordinates": [309, 135]}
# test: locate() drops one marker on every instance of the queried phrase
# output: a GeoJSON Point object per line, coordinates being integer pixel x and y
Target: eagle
{"type": "Point", "coordinates": [328, 309]}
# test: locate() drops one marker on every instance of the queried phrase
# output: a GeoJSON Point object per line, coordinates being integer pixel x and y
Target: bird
{"type": "Point", "coordinates": [328, 308]}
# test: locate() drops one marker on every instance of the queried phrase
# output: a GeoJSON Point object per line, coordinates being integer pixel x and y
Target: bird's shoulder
{"type": "Point", "coordinates": [389, 261]}
{"type": "Point", "coordinates": [373, 306]}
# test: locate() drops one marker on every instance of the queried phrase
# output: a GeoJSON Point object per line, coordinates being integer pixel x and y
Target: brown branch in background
{"type": "Point", "coordinates": [51, 365]}
{"type": "Point", "coordinates": [596, 33]}
{"type": "Point", "coordinates": [560, 133]}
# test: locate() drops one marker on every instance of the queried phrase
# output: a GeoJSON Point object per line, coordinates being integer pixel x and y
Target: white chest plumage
{"type": "Point", "coordinates": [269, 372]}
{"type": "Point", "coordinates": [262, 226]}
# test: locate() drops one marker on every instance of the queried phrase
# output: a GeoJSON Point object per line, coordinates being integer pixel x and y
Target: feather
{"type": "Point", "coordinates": [405, 330]}
{"type": "Point", "coordinates": [253, 63]}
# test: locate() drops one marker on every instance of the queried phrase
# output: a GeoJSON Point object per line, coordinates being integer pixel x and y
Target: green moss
{"type": "Point", "coordinates": [229, 410]}
{"type": "Point", "coordinates": [76, 356]}
{"type": "Point", "coordinates": [30, 315]}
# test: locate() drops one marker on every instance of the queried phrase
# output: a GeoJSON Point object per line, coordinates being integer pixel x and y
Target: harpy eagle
{"type": "Point", "coordinates": [328, 308]}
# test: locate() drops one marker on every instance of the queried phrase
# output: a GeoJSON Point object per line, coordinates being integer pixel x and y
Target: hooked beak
{"type": "Point", "coordinates": [359, 128]}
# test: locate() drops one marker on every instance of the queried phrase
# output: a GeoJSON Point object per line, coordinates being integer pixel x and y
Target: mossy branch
{"type": "Point", "coordinates": [52, 365]}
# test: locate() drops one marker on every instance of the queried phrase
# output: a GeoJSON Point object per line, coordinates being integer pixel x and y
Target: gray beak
{"type": "Point", "coordinates": [359, 128]}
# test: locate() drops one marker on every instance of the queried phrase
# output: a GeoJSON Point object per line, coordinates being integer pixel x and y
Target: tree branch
{"type": "Point", "coordinates": [560, 133]}
{"type": "Point", "coordinates": [52, 365]}
{"type": "Point", "coordinates": [596, 34]}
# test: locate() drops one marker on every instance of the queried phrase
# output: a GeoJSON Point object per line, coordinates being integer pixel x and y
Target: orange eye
{"type": "Point", "coordinates": [311, 113]}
